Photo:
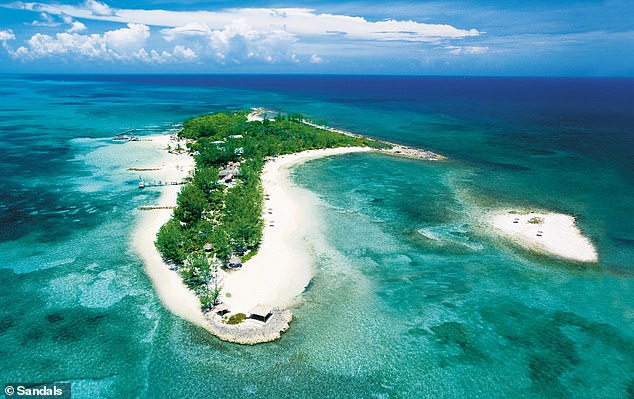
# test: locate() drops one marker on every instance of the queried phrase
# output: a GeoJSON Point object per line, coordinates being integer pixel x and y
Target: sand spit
{"type": "Point", "coordinates": [551, 233]}
{"type": "Point", "coordinates": [398, 150]}
{"type": "Point", "coordinates": [283, 266]}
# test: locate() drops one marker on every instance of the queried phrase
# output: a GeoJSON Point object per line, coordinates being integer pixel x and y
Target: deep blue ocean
{"type": "Point", "coordinates": [413, 297]}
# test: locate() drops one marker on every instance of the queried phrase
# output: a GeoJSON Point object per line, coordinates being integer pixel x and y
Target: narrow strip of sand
{"type": "Point", "coordinates": [551, 233]}
{"type": "Point", "coordinates": [173, 293]}
{"type": "Point", "coordinates": [283, 266]}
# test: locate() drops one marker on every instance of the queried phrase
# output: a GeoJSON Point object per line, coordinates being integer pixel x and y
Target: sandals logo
{"type": "Point", "coordinates": [39, 391]}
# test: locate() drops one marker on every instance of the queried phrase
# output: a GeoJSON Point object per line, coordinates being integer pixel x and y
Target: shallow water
{"type": "Point", "coordinates": [412, 297]}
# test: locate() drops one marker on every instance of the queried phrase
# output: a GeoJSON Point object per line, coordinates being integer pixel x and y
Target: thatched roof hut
{"type": "Point", "coordinates": [235, 262]}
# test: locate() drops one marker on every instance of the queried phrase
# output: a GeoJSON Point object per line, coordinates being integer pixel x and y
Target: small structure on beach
{"type": "Point", "coordinates": [261, 313]}
{"type": "Point", "coordinates": [235, 262]}
{"type": "Point", "coordinates": [221, 309]}
{"type": "Point", "coordinates": [227, 174]}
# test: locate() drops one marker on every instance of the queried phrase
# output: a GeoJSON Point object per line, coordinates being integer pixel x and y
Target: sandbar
{"type": "Point", "coordinates": [550, 233]}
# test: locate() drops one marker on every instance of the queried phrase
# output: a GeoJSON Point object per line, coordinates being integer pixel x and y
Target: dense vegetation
{"type": "Point", "coordinates": [229, 215]}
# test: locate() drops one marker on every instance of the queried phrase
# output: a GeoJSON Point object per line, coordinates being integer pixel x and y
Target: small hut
{"type": "Point", "coordinates": [235, 262]}
{"type": "Point", "coordinates": [208, 247]}
{"type": "Point", "coordinates": [221, 309]}
{"type": "Point", "coordinates": [261, 313]}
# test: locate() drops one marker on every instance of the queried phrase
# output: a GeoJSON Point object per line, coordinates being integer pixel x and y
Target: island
{"type": "Point", "coordinates": [229, 225]}
{"type": "Point", "coordinates": [554, 234]}
{"type": "Point", "coordinates": [225, 245]}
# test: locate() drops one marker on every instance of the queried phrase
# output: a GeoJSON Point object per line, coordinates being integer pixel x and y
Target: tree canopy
{"type": "Point", "coordinates": [229, 215]}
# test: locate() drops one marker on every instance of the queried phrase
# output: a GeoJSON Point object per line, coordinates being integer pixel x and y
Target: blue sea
{"type": "Point", "coordinates": [413, 297]}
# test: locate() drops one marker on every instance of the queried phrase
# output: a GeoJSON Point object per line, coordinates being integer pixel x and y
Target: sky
{"type": "Point", "coordinates": [458, 38]}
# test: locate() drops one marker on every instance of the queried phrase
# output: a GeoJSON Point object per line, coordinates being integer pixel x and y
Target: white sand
{"type": "Point", "coordinates": [559, 235]}
{"type": "Point", "coordinates": [173, 293]}
{"type": "Point", "coordinates": [275, 276]}
{"type": "Point", "coordinates": [283, 266]}
{"type": "Point", "coordinates": [256, 114]}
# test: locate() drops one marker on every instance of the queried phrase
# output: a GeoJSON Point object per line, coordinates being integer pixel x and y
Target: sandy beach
{"type": "Point", "coordinates": [275, 276]}
{"type": "Point", "coordinates": [551, 233]}
{"type": "Point", "coordinates": [173, 293]}
{"type": "Point", "coordinates": [283, 266]}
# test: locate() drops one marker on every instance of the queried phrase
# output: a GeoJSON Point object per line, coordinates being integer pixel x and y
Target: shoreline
{"type": "Point", "coordinates": [274, 277]}
{"type": "Point", "coordinates": [277, 275]}
{"type": "Point", "coordinates": [171, 290]}
{"type": "Point", "coordinates": [283, 267]}
{"type": "Point", "coordinates": [397, 150]}
{"type": "Point", "coordinates": [553, 234]}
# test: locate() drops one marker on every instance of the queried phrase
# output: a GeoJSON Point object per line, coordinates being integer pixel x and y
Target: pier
{"type": "Point", "coordinates": [155, 207]}
{"type": "Point", "coordinates": [144, 184]}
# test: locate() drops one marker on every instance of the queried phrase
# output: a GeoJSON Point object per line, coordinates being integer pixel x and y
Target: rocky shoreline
{"type": "Point", "coordinates": [250, 332]}
{"type": "Point", "coordinates": [410, 152]}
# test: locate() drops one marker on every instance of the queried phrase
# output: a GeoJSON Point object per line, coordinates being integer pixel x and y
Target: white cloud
{"type": "Point", "coordinates": [467, 50]}
{"type": "Point", "coordinates": [67, 19]}
{"type": "Point", "coordinates": [239, 35]}
{"type": "Point", "coordinates": [191, 30]}
{"type": "Point", "coordinates": [236, 43]}
{"type": "Point", "coordinates": [63, 44]}
{"type": "Point", "coordinates": [126, 40]}
{"type": "Point", "coordinates": [184, 53]}
{"type": "Point", "coordinates": [315, 59]}
{"type": "Point", "coordinates": [179, 54]}
{"type": "Point", "coordinates": [302, 22]}
{"type": "Point", "coordinates": [45, 20]}
{"type": "Point", "coordinates": [6, 35]}
{"type": "Point", "coordinates": [125, 44]}
{"type": "Point", "coordinates": [76, 27]}
{"type": "Point", "coordinates": [98, 9]}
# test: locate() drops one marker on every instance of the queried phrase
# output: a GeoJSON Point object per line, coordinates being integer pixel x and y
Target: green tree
{"type": "Point", "coordinates": [191, 204]}
{"type": "Point", "coordinates": [197, 273]}
{"type": "Point", "coordinates": [221, 244]}
{"type": "Point", "coordinates": [170, 242]}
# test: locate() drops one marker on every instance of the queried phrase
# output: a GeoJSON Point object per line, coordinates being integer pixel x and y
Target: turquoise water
{"type": "Point", "coordinates": [412, 297]}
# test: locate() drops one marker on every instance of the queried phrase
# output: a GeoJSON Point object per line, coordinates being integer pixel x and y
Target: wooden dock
{"type": "Point", "coordinates": [144, 184]}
